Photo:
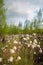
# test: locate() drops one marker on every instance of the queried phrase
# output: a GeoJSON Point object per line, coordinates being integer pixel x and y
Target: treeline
{"type": "Point", "coordinates": [33, 26]}
{"type": "Point", "coordinates": [28, 28]}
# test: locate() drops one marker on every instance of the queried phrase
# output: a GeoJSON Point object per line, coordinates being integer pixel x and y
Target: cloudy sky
{"type": "Point", "coordinates": [20, 10]}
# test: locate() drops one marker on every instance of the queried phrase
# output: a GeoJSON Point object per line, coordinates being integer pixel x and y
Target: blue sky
{"type": "Point", "coordinates": [20, 10]}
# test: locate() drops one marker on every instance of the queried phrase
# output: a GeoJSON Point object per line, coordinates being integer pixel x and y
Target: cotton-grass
{"type": "Point", "coordinates": [35, 40]}
{"type": "Point", "coordinates": [40, 50]}
{"type": "Point", "coordinates": [29, 45]}
{"type": "Point", "coordinates": [15, 48]}
{"type": "Point", "coordinates": [34, 52]}
{"type": "Point", "coordinates": [12, 51]}
{"type": "Point", "coordinates": [18, 58]}
{"type": "Point", "coordinates": [4, 64]}
{"type": "Point", "coordinates": [11, 59]}
{"type": "Point", "coordinates": [38, 46]}
{"type": "Point", "coordinates": [25, 39]}
{"type": "Point", "coordinates": [34, 34]}
{"type": "Point", "coordinates": [1, 59]}
{"type": "Point", "coordinates": [30, 42]}
{"type": "Point", "coordinates": [15, 42]}
{"type": "Point", "coordinates": [27, 35]}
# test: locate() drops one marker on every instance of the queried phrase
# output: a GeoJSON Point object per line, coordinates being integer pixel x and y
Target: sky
{"type": "Point", "coordinates": [20, 10]}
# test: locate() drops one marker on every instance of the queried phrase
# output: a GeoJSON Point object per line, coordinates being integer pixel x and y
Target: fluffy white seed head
{"type": "Point", "coordinates": [30, 42]}
{"type": "Point", "coordinates": [12, 51]}
{"type": "Point", "coordinates": [15, 42]}
{"type": "Point", "coordinates": [29, 45]}
{"type": "Point", "coordinates": [15, 48]}
{"type": "Point", "coordinates": [19, 42]}
{"type": "Point", "coordinates": [10, 59]}
{"type": "Point", "coordinates": [4, 64]}
{"type": "Point", "coordinates": [27, 35]}
{"type": "Point", "coordinates": [34, 34]}
{"type": "Point", "coordinates": [38, 46]}
{"type": "Point", "coordinates": [18, 58]}
{"type": "Point", "coordinates": [40, 50]}
{"type": "Point", "coordinates": [25, 39]}
{"type": "Point", "coordinates": [39, 42]}
{"type": "Point", "coordinates": [34, 52]}
{"type": "Point", "coordinates": [0, 59]}
{"type": "Point", "coordinates": [35, 40]}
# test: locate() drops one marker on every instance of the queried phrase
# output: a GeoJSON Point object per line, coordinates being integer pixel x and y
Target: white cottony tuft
{"type": "Point", "coordinates": [15, 48]}
{"type": "Point", "coordinates": [30, 42]}
{"type": "Point", "coordinates": [0, 59]}
{"type": "Point", "coordinates": [34, 34]}
{"type": "Point", "coordinates": [39, 42]}
{"type": "Point", "coordinates": [19, 42]}
{"type": "Point", "coordinates": [4, 64]}
{"type": "Point", "coordinates": [40, 50]}
{"type": "Point", "coordinates": [12, 51]}
{"type": "Point", "coordinates": [35, 40]}
{"type": "Point", "coordinates": [34, 52]}
{"type": "Point", "coordinates": [29, 45]}
{"type": "Point", "coordinates": [11, 59]}
{"type": "Point", "coordinates": [15, 42]}
{"type": "Point", "coordinates": [25, 39]}
{"type": "Point", "coordinates": [27, 35]}
{"type": "Point", "coordinates": [18, 58]}
{"type": "Point", "coordinates": [38, 46]}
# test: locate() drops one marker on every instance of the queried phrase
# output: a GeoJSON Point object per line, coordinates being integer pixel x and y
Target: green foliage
{"type": "Point", "coordinates": [29, 27]}
{"type": "Point", "coordinates": [2, 16]}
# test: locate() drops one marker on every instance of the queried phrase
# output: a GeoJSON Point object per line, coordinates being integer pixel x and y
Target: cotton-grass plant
{"type": "Point", "coordinates": [17, 51]}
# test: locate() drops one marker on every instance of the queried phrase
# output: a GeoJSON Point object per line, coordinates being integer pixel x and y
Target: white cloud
{"type": "Point", "coordinates": [22, 9]}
